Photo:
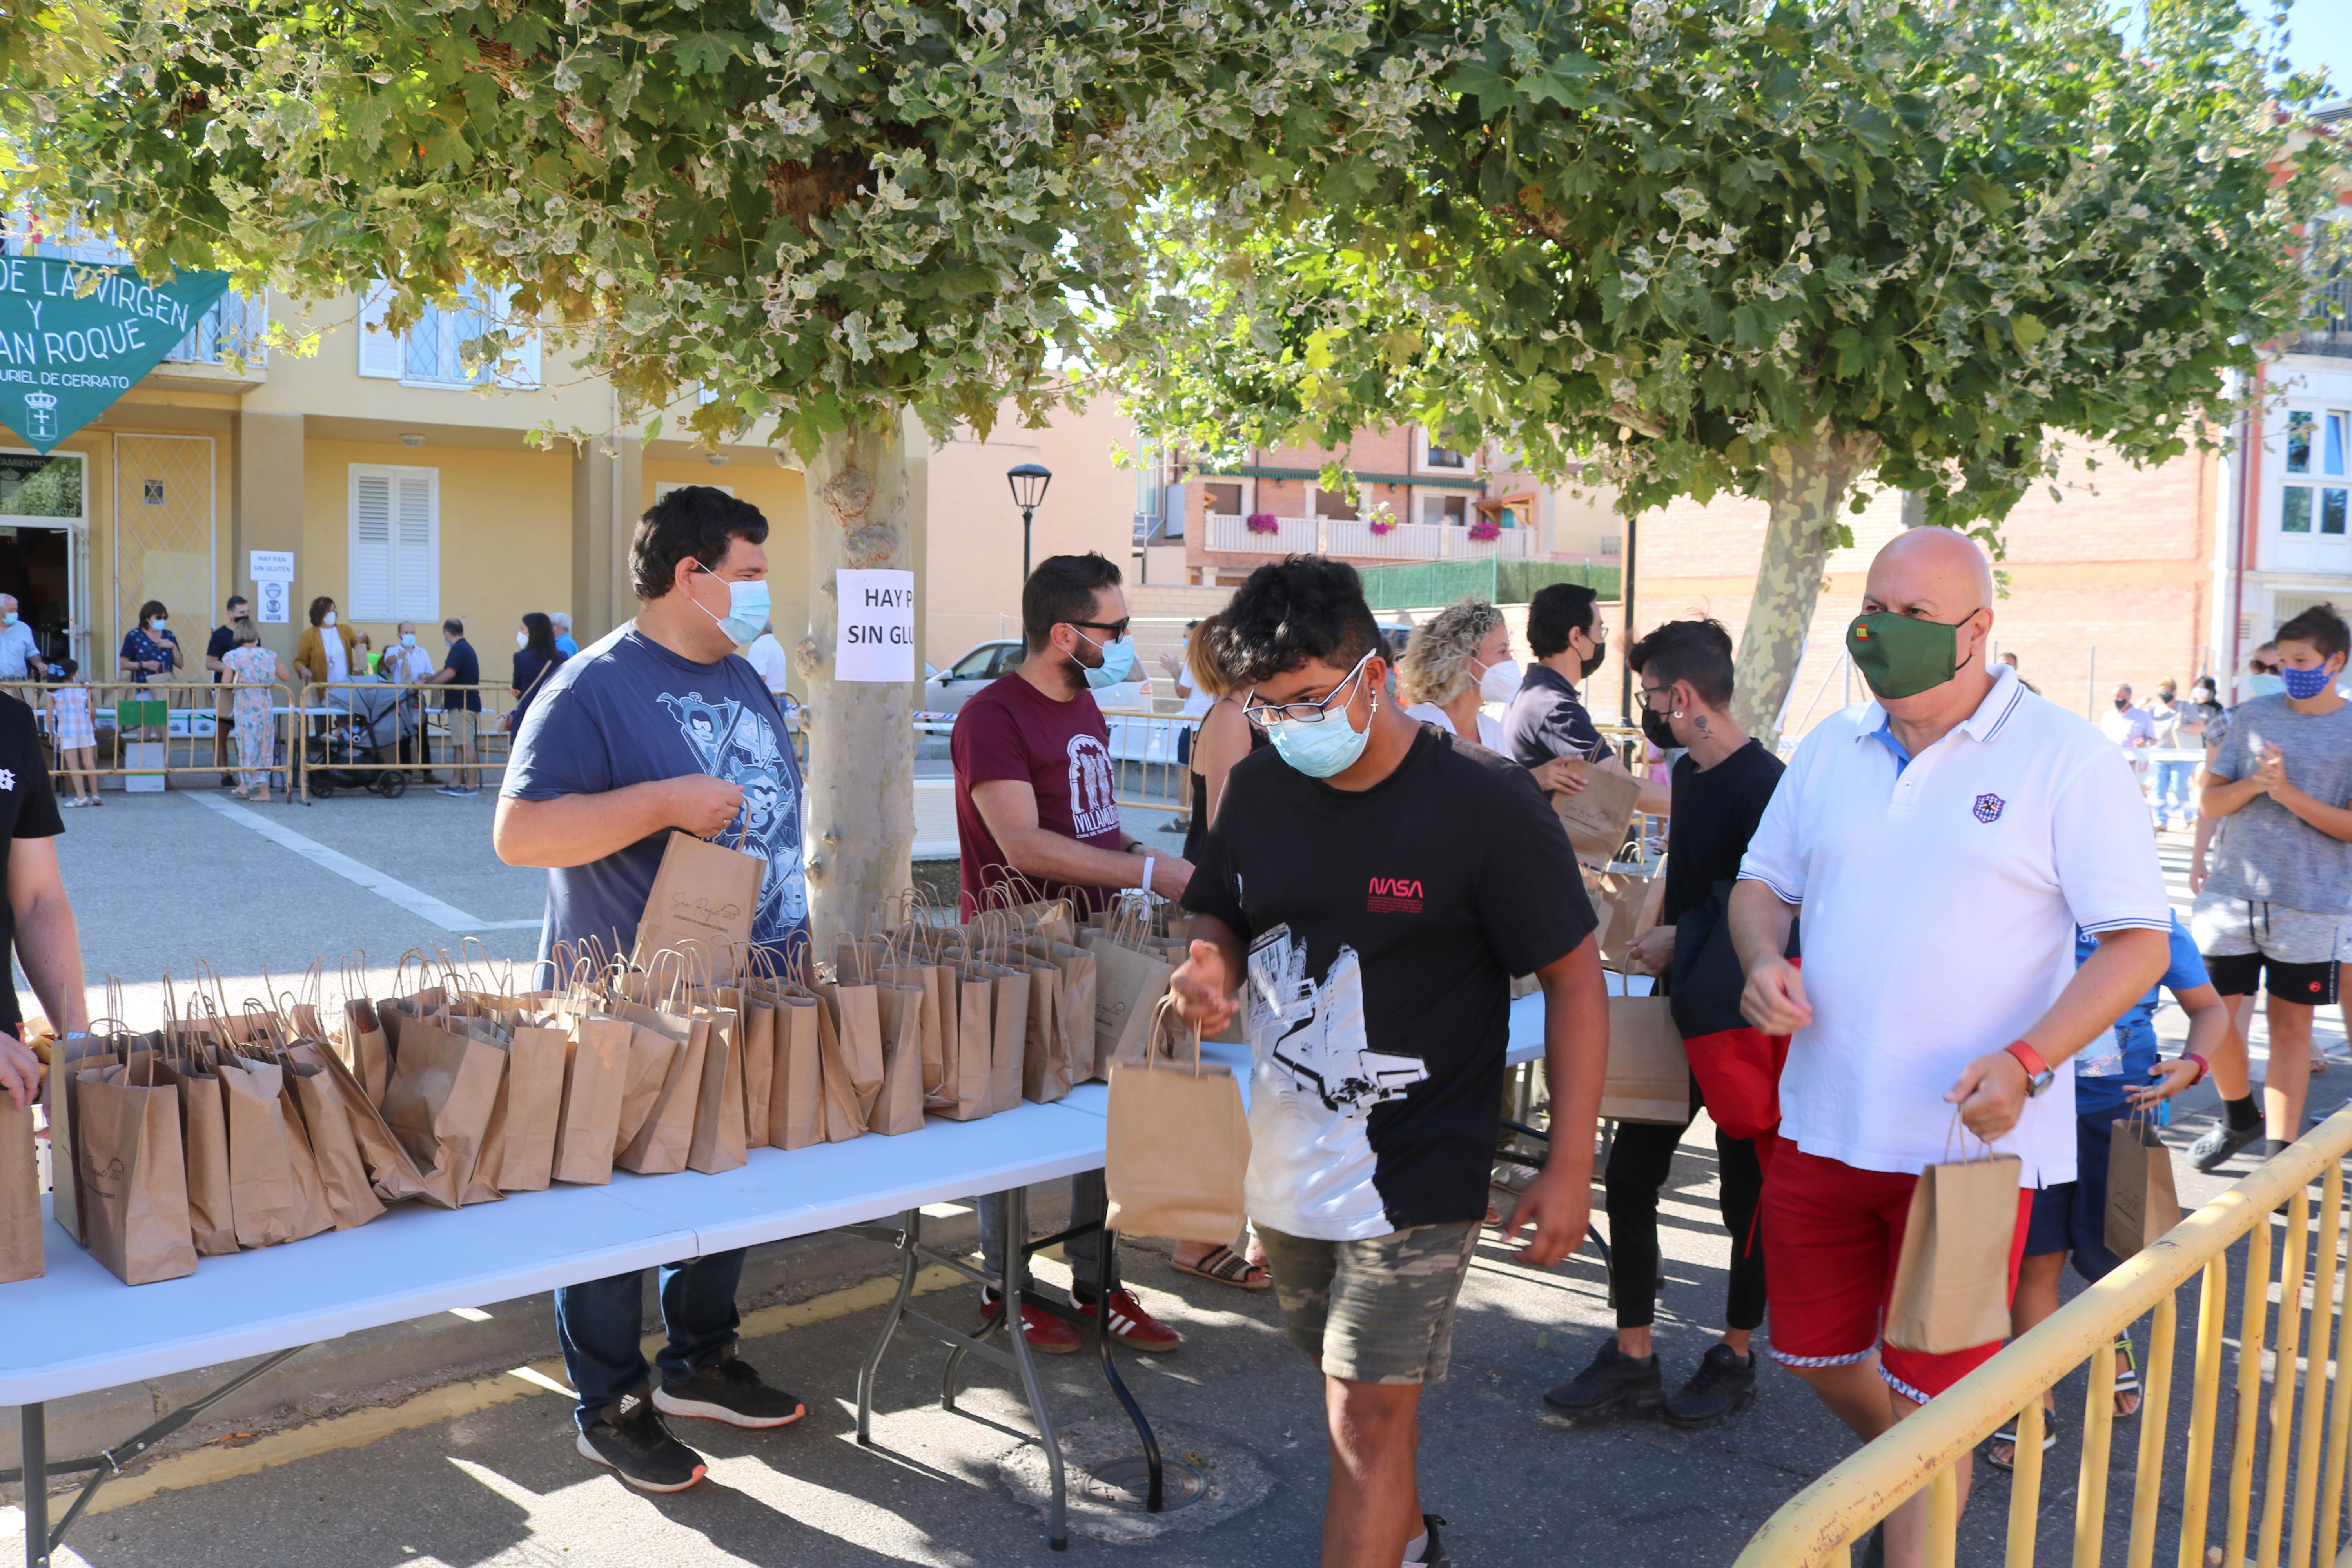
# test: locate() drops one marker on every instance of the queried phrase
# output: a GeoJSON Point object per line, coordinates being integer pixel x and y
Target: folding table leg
{"type": "Point", "coordinates": [1015, 1285]}
{"type": "Point", "coordinates": [910, 1237]}
{"type": "Point", "coordinates": [35, 1423]}
{"type": "Point", "coordinates": [1106, 1283]}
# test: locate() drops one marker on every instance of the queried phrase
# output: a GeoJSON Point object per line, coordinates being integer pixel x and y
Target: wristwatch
{"type": "Point", "coordinates": [2038, 1073]}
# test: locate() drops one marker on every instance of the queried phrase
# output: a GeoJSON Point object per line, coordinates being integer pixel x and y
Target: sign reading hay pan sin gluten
{"type": "Point", "coordinates": [876, 635]}
{"type": "Point", "coordinates": [74, 337]}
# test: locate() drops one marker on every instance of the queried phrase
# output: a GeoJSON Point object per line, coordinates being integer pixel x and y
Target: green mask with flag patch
{"type": "Point", "coordinates": [1902, 656]}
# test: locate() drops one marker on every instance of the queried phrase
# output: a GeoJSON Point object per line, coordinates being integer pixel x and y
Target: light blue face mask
{"type": "Point", "coordinates": [408, 639]}
{"type": "Point", "coordinates": [2266, 686]}
{"type": "Point", "coordinates": [746, 609]}
{"type": "Point", "coordinates": [1117, 667]}
{"type": "Point", "coordinates": [1330, 746]}
{"type": "Point", "coordinates": [9, 616]}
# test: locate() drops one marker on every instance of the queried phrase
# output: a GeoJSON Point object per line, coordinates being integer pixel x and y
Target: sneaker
{"type": "Point", "coordinates": [1614, 1381]}
{"type": "Point", "coordinates": [731, 1392]}
{"type": "Point", "coordinates": [1723, 1387]}
{"type": "Point", "coordinates": [629, 1437]}
{"type": "Point", "coordinates": [453, 790]}
{"type": "Point", "coordinates": [1132, 1326]}
{"type": "Point", "coordinates": [2221, 1143]}
{"type": "Point", "coordinates": [1044, 1331]}
{"type": "Point", "coordinates": [1432, 1554]}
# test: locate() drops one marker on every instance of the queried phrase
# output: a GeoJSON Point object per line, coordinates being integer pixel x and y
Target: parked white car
{"type": "Point", "coordinates": [950, 688]}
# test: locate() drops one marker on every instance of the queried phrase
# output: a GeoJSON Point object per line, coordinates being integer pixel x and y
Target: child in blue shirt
{"type": "Point", "coordinates": [2115, 1075]}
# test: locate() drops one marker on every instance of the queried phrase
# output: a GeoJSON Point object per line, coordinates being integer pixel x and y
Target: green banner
{"type": "Point", "coordinates": [74, 336]}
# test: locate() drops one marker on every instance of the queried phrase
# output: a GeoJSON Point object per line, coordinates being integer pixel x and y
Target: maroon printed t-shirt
{"type": "Point", "coordinates": [1061, 749]}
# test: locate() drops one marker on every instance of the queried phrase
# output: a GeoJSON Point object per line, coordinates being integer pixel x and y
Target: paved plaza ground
{"type": "Point", "coordinates": [482, 1470]}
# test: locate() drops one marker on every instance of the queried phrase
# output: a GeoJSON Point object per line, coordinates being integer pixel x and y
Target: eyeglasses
{"type": "Point", "coordinates": [1649, 692]}
{"type": "Point", "coordinates": [1117, 629]}
{"type": "Point", "coordinates": [1264, 714]}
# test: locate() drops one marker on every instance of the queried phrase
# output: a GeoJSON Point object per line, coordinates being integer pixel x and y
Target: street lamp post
{"type": "Point", "coordinates": [1028, 481]}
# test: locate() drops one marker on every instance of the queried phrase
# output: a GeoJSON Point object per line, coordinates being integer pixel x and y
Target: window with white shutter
{"type": "Point", "coordinates": [380, 350]}
{"type": "Point", "coordinates": [396, 545]}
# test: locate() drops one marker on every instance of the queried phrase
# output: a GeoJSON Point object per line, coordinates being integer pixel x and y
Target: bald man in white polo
{"type": "Point", "coordinates": [1942, 843]}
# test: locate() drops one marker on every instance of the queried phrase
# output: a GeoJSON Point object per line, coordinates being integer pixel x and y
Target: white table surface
{"type": "Point", "coordinates": [78, 1328]}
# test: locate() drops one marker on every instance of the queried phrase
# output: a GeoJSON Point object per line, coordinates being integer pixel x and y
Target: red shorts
{"type": "Point", "coordinates": [1832, 1237]}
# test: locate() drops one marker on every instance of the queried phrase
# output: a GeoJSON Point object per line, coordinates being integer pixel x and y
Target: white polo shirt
{"type": "Point", "coordinates": [1939, 903]}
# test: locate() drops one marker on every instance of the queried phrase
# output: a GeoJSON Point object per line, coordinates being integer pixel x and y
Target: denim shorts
{"type": "Point", "coordinates": [1377, 1311]}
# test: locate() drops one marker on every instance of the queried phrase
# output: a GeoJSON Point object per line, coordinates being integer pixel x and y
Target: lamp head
{"type": "Point", "coordinates": [1028, 481]}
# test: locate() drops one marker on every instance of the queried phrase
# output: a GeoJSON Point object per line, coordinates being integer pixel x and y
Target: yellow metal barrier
{"type": "Point", "coordinates": [2302, 1482]}
{"type": "Point", "coordinates": [193, 739]}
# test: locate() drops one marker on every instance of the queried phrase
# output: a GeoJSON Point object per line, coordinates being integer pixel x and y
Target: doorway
{"type": "Point", "coordinates": [36, 569]}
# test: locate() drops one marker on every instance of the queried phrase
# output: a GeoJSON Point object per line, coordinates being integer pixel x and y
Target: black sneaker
{"type": "Point", "coordinates": [1723, 1387]}
{"type": "Point", "coordinates": [629, 1437]}
{"type": "Point", "coordinates": [1614, 1381]}
{"type": "Point", "coordinates": [731, 1392]}
{"type": "Point", "coordinates": [2221, 1144]}
{"type": "Point", "coordinates": [1432, 1556]}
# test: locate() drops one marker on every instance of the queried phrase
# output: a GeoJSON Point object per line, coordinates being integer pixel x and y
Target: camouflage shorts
{"type": "Point", "coordinates": [1380, 1310]}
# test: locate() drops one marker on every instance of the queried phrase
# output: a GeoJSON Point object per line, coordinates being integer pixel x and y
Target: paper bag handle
{"type": "Point", "coordinates": [1160, 1013]}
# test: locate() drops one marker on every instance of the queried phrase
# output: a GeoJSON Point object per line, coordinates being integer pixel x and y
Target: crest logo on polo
{"type": "Point", "coordinates": [737, 743]}
{"type": "Point", "coordinates": [1988, 808]}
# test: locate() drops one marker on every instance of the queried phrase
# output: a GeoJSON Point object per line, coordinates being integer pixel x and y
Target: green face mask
{"type": "Point", "coordinates": [1902, 656]}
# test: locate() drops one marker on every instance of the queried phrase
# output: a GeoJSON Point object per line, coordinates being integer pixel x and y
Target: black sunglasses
{"type": "Point", "coordinates": [1117, 629]}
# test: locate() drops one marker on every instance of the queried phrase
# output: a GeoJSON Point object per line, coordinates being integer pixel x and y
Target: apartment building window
{"type": "Point", "coordinates": [441, 348]}
{"type": "Point", "coordinates": [1434, 456]}
{"type": "Point", "coordinates": [1445, 509]}
{"type": "Point", "coordinates": [2317, 489]}
{"type": "Point", "coordinates": [395, 543]}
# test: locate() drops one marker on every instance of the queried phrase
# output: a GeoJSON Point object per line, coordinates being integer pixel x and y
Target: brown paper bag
{"type": "Point", "coordinates": [1649, 1073]}
{"type": "Point", "coordinates": [1074, 1017]}
{"type": "Point", "coordinates": [312, 1212]}
{"type": "Point", "coordinates": [966, 1030]}
{"type": "Point", "coordinates": [366, 1051]}
{"type": "Point", "coordinates": [1178, 1143]}
{"type": "Point", "coordinates": [1009, 1039]}
{"type": "Point", "coordinates": [2141, 1202]}
{"type": "Point", "coordinates": [651, 1055]}
{"type": "Point", "coordinates": [20, 1196]}
{"type": "Point", "coordinates": [536, 1062]}
{"type": "Point", "coordinates": [444, 1087]}
{"type": "Point", "coordinates": [759, 1049]}
{"type": "Point", "coordinates": [1129, 982]}
{"type": "Point", "coordinates": [61, 1088]}
{"type": "Point", "coordinates": [481, 1184]}
{"type": "Point", "coordinates": [662, 1144]}
{"type": "Point", "coordinates": [1951, 1279]}
{"type": "Point", "coordinates": [843, 1117]}
{"type": "Point", "coordinates": [263, 1204]}
{"type": "Point", "coordinates": [390, 1171]}
{"type": "Point", "coordinates": [796, 1098]}
{"type": "Point", "coordinates": [931, 987]}
{"type": "Point", "coordinates": [857, 1024]}
{"type": "Point", "coordinates": [1597, 816]}
{"type": "Point", "coordinates": [133, 1178]}
{"type": "Point", "coordinates": [587, 1134]}
{"type": "Point", "coordinates": [719, 1141]}
{"type": "Point", "coordinates": [1045, 1067]}
{"type": "Point", "coordinates": [204, 1141]}
{"type": "Point", "coordinates": [898, 1109]}
{"type": "Point", "coordinates": [703, 898]}
{"type": "Point", "coordinates": [342, 1174]}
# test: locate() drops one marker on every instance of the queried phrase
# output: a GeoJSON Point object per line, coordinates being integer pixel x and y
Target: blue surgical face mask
{"type": "Point", "coordinates": [2266, 686]}
{"type": "Point", "coordinates": [1322, 750]}
{"type": "Point", "coordinates": [9, 616]}
{"type": "Point", "coordinates": [2303, 684]}
{"type": "Point", "coordinates": [747, 608]}
{"type": "Point", "coordinates": [408, 639]}
{"type": "Point", "coordinates": [1118, 666]}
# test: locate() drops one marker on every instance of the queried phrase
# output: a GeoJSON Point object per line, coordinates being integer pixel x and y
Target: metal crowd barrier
{"type": "Point", "coordinates": [332, 706]}
{"type": "Point", "coordinates": [184, 720]}
{"type": "Point", "coordinates": [2302, 1478]}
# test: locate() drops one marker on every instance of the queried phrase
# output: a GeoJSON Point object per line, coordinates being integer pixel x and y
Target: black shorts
{"type": "Point", "coordinates": [2235, 974]}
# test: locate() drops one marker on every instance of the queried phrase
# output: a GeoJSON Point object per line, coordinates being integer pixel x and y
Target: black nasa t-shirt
{"type": "Point", "coordinates": [28, 810]}
{"type": "Point", "coordinates": [1715, 814]}
{"type": "Point", "coordinates": [1383, 927]}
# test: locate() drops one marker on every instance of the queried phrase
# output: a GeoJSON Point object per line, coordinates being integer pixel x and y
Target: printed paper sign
{"type": "Point", "coordinates": [271, 566]}
{"type": "Point", "coordinates": [875, 638]}
{"type": "Point", "coordinates": [274, 597]}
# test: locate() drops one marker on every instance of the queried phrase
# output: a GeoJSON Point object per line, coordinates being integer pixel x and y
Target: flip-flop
{"type": "Point", "coordinates": [2127, 1374]}
{"type": "Point", "coordinates": [2009, 1435]}
{"type": "Point", "coordinates": [1226, 1266]}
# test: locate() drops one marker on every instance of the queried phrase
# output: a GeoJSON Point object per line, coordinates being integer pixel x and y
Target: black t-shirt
{"type": "Point", "coordinates": [28, 810]}
{"type": "Point", "coordinates": [1383, 927]}
{"type": "Point", "coordinates": [222, 639]}
{"type": "Point", "coordinates": [468, 673]}
{"type": "Point", "coordinates": [1715, 814]}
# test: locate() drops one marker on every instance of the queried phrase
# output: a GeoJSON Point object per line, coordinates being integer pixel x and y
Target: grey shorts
{"type": "Point", "coordinates": [1378, 1310]}
{"type": "Point", "coordinates": [2224, 925]}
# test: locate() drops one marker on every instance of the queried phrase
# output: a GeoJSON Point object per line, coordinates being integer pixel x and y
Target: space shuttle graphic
{"type": "Point", "coordinates": [1317, 1032]}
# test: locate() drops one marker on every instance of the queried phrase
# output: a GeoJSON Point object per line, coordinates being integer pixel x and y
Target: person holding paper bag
{"type": "Point", "coordinates": [36, 919]}
{"type": "Point", "coordinates": [1546, 728]}
{"type": "Point", "coordinates": [655, 729]}
{"type": "Point", "coordinates": [1943, 842]}
{"type": "Point", "coordinates": [1371, 884]}
{"type": "Point", "coordinates": [1037, 795]}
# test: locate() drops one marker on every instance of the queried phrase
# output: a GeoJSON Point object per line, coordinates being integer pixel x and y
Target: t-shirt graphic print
{"type": "Point", "coordinates": [1315, 1033]}
{"type": "Point", "coordinates": [737, 743]}
{"type": "Point", "coordinates": [1094, 794]}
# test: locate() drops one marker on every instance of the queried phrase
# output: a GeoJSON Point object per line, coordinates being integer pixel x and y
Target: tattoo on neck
{"type": "Point", "coordinates": [1698, 721]}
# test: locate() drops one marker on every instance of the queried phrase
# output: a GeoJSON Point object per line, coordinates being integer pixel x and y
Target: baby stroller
{"type": "Point", "coordinates": [365, 726]}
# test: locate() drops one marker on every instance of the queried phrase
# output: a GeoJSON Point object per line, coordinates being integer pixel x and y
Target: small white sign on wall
{"type": "Point", "coordinates": [874, 640]}
{"type": "Point", "coordinates": [274, 597]}
{"type": "Point", "coordinates": [271, 566]}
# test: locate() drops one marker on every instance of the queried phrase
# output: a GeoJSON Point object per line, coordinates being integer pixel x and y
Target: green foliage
{"type": "Point", "coordinates": [820, 212]}
{"type": "Point", "coordinates": [1678, 241]}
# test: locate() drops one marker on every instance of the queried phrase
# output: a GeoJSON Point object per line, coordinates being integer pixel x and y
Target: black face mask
{"type": "Point", "coordinates": [1660, 733]}
{"type": "Point", "coordinates": [2122, 703]}
{"type": "Point", "coordinates": [1593, 660]}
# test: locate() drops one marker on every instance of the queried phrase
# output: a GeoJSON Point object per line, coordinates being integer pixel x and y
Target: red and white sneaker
{"type": "Point", "coordinates": [1132, 1326]}
{"type": "Point", "coordinates": [1045, 1331]}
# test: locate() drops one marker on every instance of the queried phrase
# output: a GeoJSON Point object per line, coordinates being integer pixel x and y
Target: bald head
{"type": "Point", "coordinates": [1935, 573]}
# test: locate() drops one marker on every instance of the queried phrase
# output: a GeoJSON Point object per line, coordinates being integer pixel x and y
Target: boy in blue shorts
{"type": "Point", "coordinates": [2112, 1079]}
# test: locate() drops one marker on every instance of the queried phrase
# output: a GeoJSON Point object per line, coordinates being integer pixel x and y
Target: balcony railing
{"type": "Point", "coordinates": [233, 328]}
{"type": "Point", "coordinates": [1355, 539]}
{"type": "Point", "coordinates": [2331, 334]}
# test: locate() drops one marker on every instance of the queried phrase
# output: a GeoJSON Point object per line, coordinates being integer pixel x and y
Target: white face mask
{"type": "Point", "coordinates": [328, 619]}
{"type": "Point", "coordinates": [1500, 683]}
{"type": "Point", "coordinates": [522, 639]}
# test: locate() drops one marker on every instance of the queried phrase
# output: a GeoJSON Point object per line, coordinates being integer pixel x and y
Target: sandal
{"type": "Point", "coordinates": [1226, 1266]}
{"type": "Point", "coordinates": [2009, 1435]}
{"type": "Point", "coordinates": [2127, 1374]}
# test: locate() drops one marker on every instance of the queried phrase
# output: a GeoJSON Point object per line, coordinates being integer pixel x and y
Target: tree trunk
{"type": "Point", "coordinates": [1808, 485]}
{"type": "Point", "coordinates": [857, 819]}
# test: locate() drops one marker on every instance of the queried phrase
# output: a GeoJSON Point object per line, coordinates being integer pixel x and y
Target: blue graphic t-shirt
{"type": "Point", "coordinates": [2120, 1058]}
{"type": "Point", "coordinates": [627, 711]}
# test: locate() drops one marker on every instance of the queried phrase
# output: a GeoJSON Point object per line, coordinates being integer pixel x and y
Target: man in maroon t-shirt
{"type": "Point", "coordinates": [1036, 793]}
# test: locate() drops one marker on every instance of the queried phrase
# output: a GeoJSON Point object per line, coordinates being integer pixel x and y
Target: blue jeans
{"type": "Point", "coordinates": [599, 1323]}
{"type": "Point", "coordinates": [2172, 783]}
{"type": "Point", "coordinates": [1089, 1200]}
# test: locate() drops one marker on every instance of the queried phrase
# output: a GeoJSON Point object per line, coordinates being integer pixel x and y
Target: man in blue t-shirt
{"type": "Point", "coordinates": [461, 707]}
{"type": "Point", "coordinates": [658, 728]}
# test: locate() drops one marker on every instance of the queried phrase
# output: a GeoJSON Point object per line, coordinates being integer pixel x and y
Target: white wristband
{"type": "Point", "coordinates": [1147, 863]}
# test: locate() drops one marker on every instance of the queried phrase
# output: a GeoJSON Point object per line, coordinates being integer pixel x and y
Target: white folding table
{"type": "Point", "coordinates": [77, 1329]}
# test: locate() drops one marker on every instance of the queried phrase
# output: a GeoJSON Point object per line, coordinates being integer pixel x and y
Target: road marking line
{"type": "Point", "coordinates": [357, 1428]}
{"type": "Point", "coordinates": [423, 905]}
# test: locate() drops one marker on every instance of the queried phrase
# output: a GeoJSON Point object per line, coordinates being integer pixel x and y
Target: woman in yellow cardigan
{"type": "Point", "coordinates": [327, 651]}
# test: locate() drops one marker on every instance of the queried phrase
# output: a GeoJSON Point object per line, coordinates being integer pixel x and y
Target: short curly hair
{"type": "Point", "coordinates": [1290, 611]}
{"type": "Point", "coordinates": [1436, 664]}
